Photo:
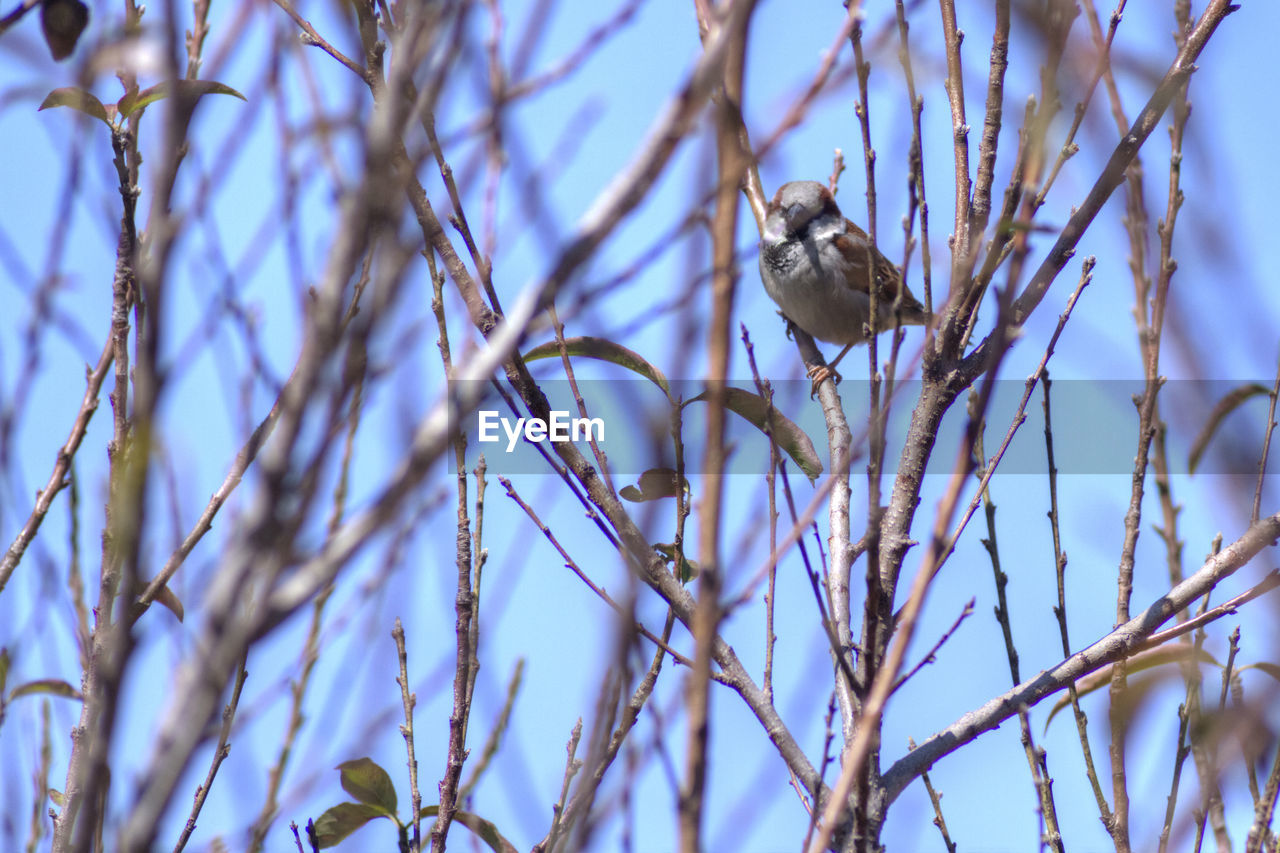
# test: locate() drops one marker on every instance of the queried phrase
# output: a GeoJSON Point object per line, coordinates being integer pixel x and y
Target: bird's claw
{"type": "Point", "coordinates": [790, 326]}
{"type": "Point", "coordinates": [819, 373]}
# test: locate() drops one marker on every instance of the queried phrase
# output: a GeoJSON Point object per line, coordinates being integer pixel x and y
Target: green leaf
{"type": "Point", "coordinates": [193, 89]}
{"type": "Point", "coordinates": [78, 99]}
{"type": "Point", "coordinates": [4, 667]}
{"type": "Point", "coordinates": [604, 350]}
{"type": "Point", "coordinates": [1228, 404]}
{"type": "Point", "coordinates": [342, 820]}
{"type": "Point", "coordinates": [485, 829]}
{"type": "Point", "coordinates": [755, 409]}
{"type": "Point", "coordinates": [688, 568]}
{"type": "Point", "coordinates": [52, 686]}
{"type": "Point", "coordinates": [369, 784]}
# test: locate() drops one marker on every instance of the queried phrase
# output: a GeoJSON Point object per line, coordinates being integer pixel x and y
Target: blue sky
{"type": "Point", "coordinates": [249, 241]}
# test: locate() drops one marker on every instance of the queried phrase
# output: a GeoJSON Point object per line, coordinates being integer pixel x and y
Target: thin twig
{"type": "Point", "coordinates": [1260, 832]}
{"type": "Point", "coordinates": [954, 86]}
{"type": "Point", "coordinates": [566, 814]}
{"type": "Point", "coordinates": [1069, 147]}
{"type": "Point", "coordinates": [311, 37]}
{"type": "Point", "coordinates": [1037, 760]}
{"type": "Point", "coordinates": [297, 693]}
{"type": "Point", "coordinates": [220, 751]}
{"type": "Point", "coordinates": [917, 204]}
{"type": "Point", "coordinates": [40, 790]}
{"type": "Point", "coordinates": [59, 477]}
{"type": "Point", "coordinates": [1019, 417]}
{"type": "Point", "coordinates": [464, 660]}
{"type": "Point", "coordinates": [765, 390]}
{"type": "Point", "coordinates": [494, 740]}
{"type": "Point", "coordinates": [991, 122]}
{"type": "Point", "coordinates": [1116, 645]}
{"type": "Point", "coordinates": [409, 701]}
{"type": "Point", "coordinates": [1268, 431]}
{"type": "Point", "coordinates": [571, 767]}
{"type": "Point", "coordinates": [932, 654]}
{"type": "Point", "coordinates": [936, 799]}
{"type": "Point", "coordinates": [1262, 587]}
{"type": "Point", "coordinates": [874, 635]}
{"type": "Point", "coordinates": [572, 566]}
{"type": "Point", "coordinates": [1060, 611]}
{"type": "Point", "coordinates": [827, 741]}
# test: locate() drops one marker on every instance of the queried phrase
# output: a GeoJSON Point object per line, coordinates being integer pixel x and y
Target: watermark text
{"type": "Point", "coordinates": [561, 427]}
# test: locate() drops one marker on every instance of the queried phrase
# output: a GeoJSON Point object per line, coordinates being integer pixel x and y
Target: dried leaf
{"type": "Point", "coordinates": [62, 22]}
{"type": "Point", "coordinates": [654, 484]}
{"type": "Point", "coordinates": [790, 437]}
{"type": "Point", "coordinates": [487, 832]}
{"type": "Point", "coordinates": [1228, 404]}
{"type": "Point", "coordinates": [604, 350]}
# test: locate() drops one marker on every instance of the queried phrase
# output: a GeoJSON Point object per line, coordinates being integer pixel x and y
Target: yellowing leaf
{"type": "Point", "coordinates": [1147, 659]}
{"type": "Point", "coordinates": [604, 350]}
{"type": "Point", "coordinates": [790, 438]}
{"type": "Point", "coordinates": [52, 686]}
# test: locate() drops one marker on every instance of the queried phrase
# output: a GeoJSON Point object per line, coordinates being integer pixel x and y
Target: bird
{"type": "Point", "coordinates": [813, 263]}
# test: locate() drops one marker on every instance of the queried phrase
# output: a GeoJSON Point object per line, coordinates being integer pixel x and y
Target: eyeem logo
{"type": "Point", "coordinates": [561, 427]}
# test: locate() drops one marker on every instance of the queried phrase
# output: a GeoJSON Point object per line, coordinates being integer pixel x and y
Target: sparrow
{"type": "Point", "coordinates": [813, 263]}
